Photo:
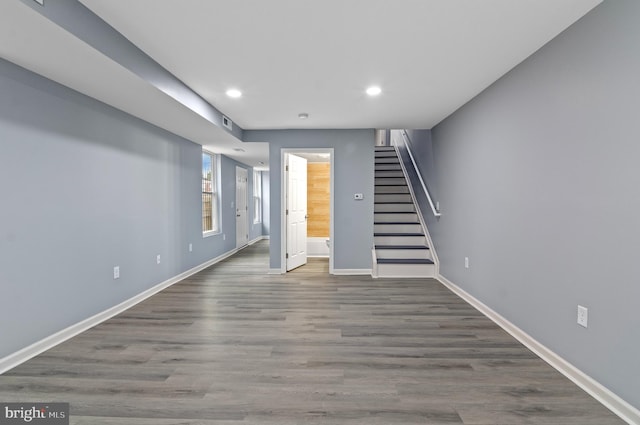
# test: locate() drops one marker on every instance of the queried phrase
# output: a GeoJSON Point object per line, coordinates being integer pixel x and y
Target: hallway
{"type": "Point", "coordinates": [234, 345]}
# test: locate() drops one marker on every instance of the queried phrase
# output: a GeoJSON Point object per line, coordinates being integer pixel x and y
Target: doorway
{"type": "Point", "coordinates": [242, 207]}
{"type": "Point", "coordinates": [298, 216]}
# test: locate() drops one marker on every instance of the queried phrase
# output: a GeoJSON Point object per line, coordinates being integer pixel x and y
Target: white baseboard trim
{"type": "Point", "coordinates": [38, 347]}
{"type": "Point", "coordinates": [598, 391]}
{"type": "Point", "coordinates": [352, 272]}
{"type": "Point", "coordinates": [275, 271]}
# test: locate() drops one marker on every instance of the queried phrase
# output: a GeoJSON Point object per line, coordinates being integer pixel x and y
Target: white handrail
{"type": "Point", "coordinates": [405, 138]}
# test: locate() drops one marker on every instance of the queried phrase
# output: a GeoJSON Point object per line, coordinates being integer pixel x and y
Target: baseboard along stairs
{"type": "Point", "coordinates": [401, 248]}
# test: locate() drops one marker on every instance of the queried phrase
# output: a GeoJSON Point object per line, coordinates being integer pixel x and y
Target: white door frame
{"type": "Point", "coordinates": [240, 242]}
{"type": "Point", "coordinates": [283, 203]}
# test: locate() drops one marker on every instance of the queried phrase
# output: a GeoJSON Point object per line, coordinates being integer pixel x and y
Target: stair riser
{"type": "Point", "coordinates": [397, 228]}
{"type": "Point", "coordinates": [386, 154]}
{"type": "Point", "coordinates": [404, 253]}
{"type": "Point", "coordinates": [387, 167]}
{"type": "Point", "coordinates": [400, 240]}
{"type": "Point", "coordinates": [406, 270]}
{"type": "Point", "coordinates": [391, 217]}
{"type": "Point", "coordinates": [382, 197]}
{"type": "Point", "coordinates": [390, 180]}
{"type": "Point", "coordinates": [388, 160]}
{"type": "Point", "coordinates": [390, 173]}
{"type": "Point", "coordinates": [394, 208]}
{"type": "Point", "coordinates": [391, 189]}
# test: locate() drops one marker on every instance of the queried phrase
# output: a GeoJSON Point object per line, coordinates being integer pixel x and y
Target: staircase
{"type": "Point", "coordinates": [400, 243]}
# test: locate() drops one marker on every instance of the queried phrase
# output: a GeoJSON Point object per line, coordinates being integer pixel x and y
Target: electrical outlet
{"type": "Point", "coordinates": [224, 237]}
{"type": "Point", "coordinates": [583, 316]}
{"type": "Point", "coordinates": [190, 247]}
{"type": "Point", "coordinates": [158, 259]}
{"type": "Point", "coordinates": [437, 205]}
{"type": "Point", "coordinates": [466, 262]}
{"type": "Point", "coordinates": [116, 272]}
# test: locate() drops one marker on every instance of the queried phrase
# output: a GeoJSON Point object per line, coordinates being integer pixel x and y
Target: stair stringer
{"type": "Point", "coordinates": [421, 219]}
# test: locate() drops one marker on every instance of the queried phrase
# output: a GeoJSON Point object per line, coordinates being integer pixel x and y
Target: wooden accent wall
{"type": "Point", "coordinates": [318, 199]}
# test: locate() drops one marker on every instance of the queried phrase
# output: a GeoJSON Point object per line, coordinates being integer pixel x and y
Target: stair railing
{"type": "Point", "coordinates": [405, 139]}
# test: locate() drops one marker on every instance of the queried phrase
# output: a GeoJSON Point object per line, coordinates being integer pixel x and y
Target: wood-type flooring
{"type": "Point", "coordinates": [233, 345]}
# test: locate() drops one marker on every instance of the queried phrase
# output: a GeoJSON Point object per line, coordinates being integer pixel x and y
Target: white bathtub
{"type": "Point", "coordinates": [317, 247]}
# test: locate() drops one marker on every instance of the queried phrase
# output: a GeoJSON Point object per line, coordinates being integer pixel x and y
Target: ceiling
{"type": "Point", "coordinates": [289, 56]}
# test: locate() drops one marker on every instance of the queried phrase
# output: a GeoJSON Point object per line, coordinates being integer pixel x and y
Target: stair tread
{"type": "Point", "coordinates": [394, 212]}
{"type": "Point", "coordinates": [393, 202]}
{"type": "Point", "coordinates": [401, 247]}
{"type": "Point", "coordinates": [404, 261]}
{"type": "Point", "coordinates": [398, 234]}
{"type": "Point", "coordinates": [396, 222]}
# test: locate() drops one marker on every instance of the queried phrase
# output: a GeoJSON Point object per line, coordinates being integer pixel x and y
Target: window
{"type": "Point", "coordinates": [257, 197]}
{"type": "Point", "coordinates": [210, 222]}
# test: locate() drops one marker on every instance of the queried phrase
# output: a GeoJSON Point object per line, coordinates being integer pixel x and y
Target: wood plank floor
{"type": "Point", "coordinates": [233, 345]}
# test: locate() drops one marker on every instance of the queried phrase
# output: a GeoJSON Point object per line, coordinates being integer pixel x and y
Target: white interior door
{"type": "Point", "coordinates": [242, 216]}
{"type": "Point", "coordinates": [296, 213]}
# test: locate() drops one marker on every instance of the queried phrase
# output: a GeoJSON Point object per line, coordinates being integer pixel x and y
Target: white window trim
{"type": "Point", "coordinates": [257, 219]}
{"type": "Point", "coordinates": [215, 165]}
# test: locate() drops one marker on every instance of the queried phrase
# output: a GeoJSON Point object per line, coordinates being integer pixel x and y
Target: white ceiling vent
{"type": "Point", "coordinates": [227, 123]}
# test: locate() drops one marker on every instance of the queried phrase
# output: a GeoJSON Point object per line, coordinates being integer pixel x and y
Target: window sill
{"type": "Point", "coordinates": [210, 233]}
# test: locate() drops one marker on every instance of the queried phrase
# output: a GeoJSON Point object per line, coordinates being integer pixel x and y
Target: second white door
{"type": "Point", "coordinates": [242, 216]}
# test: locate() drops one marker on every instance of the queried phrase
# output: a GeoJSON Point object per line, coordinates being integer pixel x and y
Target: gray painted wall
{"type": "Point", "coordinates": [353, 165]}
{"type": "Point", "coordinates": [421, 147]}
{"type": "Point", "coordinates": [84, 188]}
{"type": "Point", "coordinates": [538, 181]}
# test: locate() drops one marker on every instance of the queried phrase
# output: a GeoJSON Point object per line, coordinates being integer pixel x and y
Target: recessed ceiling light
{"type": "Point", "coordinates": [303, 115]}
{"type": "Point", "coordinates": [238, 149]}
{"type": "Point", "coordinates": [374, 91]}
{"type": "Point", "coordinates": [234, 93]}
